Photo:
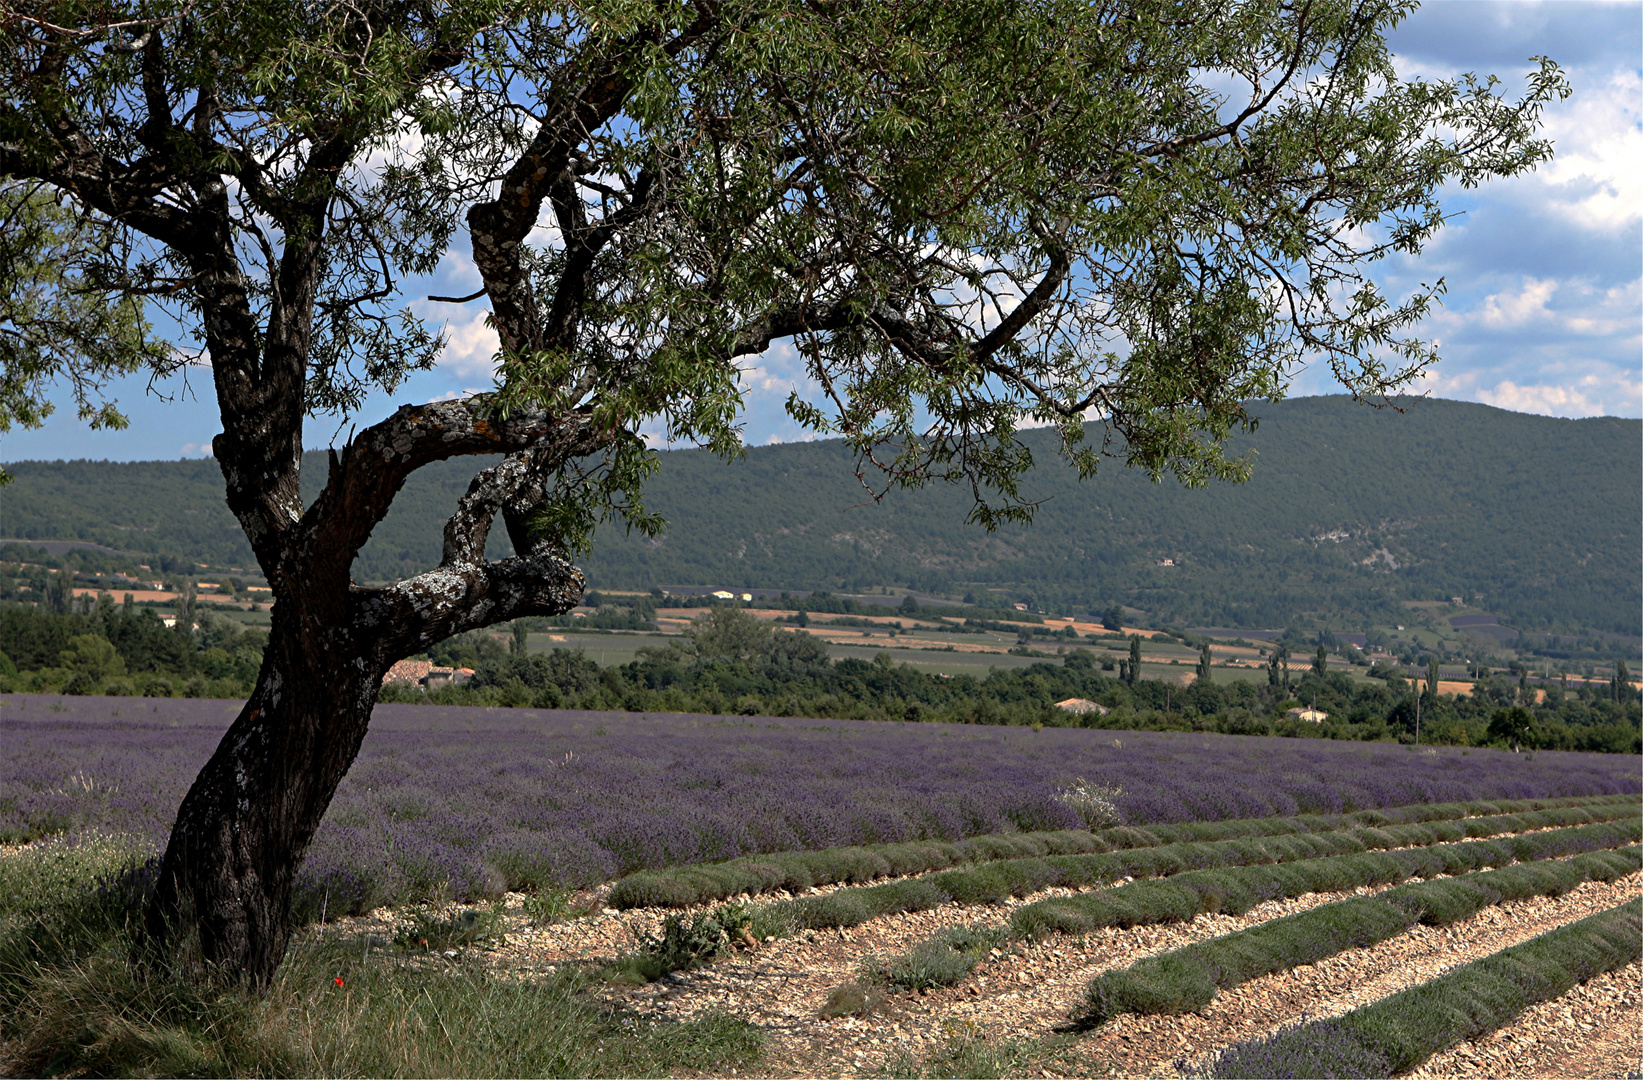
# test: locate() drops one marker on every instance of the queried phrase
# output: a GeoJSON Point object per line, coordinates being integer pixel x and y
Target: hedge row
{"type": "Point", "coordinates": [1400, 1031]}
{"type": "Point", "coordinates": [1234, 890]}
{"type": "Point", "coordinates": [686, 886]}
{"type": "Point", "coordinates": [1189, 978]}
{"type": "Point", "coordinates": [1237, 889]}
{"type": "Point", "coordinates": [991, 882]}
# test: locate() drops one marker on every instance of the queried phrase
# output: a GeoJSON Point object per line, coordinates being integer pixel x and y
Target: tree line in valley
{"type": "Point", "coordinates": [731, 662]}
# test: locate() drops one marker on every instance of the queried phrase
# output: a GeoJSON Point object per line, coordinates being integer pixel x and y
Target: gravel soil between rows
{"type": "Point", "coordinates": [1028, 993]}
{"type": "Point", "coordinates": [1357, 977]}
{"type": "Point", "coordinates": [1595, 1030]}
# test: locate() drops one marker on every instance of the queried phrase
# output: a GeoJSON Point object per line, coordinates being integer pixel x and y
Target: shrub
{"type": "Point", "coordinates": [942, 959]}
{"type": "Point", "coordinates": [1188, 978]}
{"type": "Point", "coordinates": [852, 998]}
{"type": "Point", "coordinates": [684, 945]}
{"type": "Point", "coordinates": [1095, 803]}
{"type": "Point", "coordinates": [428, 929]}
{"type": "Point", "coordinates": [1398, 1032]}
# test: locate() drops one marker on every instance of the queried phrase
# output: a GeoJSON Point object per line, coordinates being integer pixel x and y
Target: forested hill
{"type": "Point", "coordinates": [1349, 511]}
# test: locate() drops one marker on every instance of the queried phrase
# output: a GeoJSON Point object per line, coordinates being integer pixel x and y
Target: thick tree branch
{"type": "Point", "coordinates": [367, 474]}
{"type": "Point", "coordinates": [790, 321]}
{"type": "Point", "coordinates": [470, 526]}
{"type": "Point", "coordinates": [411, 615]}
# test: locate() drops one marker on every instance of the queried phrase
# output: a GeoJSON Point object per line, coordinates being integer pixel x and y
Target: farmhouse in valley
{"type": "Point", "coordinates": [425, 673]}
{"type": "Point", "coordinates": [1083, 705]}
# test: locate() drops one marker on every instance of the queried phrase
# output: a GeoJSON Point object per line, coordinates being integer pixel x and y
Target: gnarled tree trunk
{"type": "Point", "coordinates": [246, 823]}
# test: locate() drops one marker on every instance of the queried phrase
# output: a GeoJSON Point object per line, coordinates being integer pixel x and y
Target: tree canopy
{"type": "Point", "coordinates": [968, 216]}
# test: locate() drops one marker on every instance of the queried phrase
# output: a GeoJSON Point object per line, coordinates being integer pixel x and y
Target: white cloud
{"type": "Point", "coordinates": [470, 348]}
{"type": "Point", "coordinates": [457, 271]}
{"type": "Point", "coordinates": [458, 395]}
{"type": "Point", "coordinates": [796, 435]}
{"type": "Point", "coordinates": [1590, 396]}
{"type": "Point", "coordinates": [1542, 313]}
{"type": "Point", "coordinates": [1504, 310]}
{"type": "Point", "coordinates": [1596, 178]}
{"type": "Point", "coordinates": [195, 449]}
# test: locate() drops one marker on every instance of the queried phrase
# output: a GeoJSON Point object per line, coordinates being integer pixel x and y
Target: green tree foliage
{"type": "Point", "coordinates": [93, 656]}
{"type": "Point", "coordinates": [728, 634]}
{"type": "Point", "coordinates": [1514, 726]}
{"type": "Point", "coordinates": [60, 315]}
{"type": "Point", "coordinates": [116, 649]}
{"type": "Point", "coordinates": [1320, 660]}
{"type": "Point", "coordinates": [1113, 618]}
{"type": "Point", "coordinates": [1135, 657]}
{"type": "Point", "coordinates": [789, 674]}
{"type": "Point", "coordinates": [895, 284]}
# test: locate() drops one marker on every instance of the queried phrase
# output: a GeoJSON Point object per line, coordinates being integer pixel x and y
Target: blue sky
{"type": "Point", "coordinates": [1542, 315]}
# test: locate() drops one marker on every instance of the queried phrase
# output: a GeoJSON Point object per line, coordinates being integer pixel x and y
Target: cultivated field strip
{"type": "Point", "coordinates": [994, 881]}
{"type": "Point", "coordinates": [1022, 996]}
{"type": "Point", "coordinates": [1190, 978]}
{"type": "Point", "coordinates": [1404, 1029]}
{"type": "Point", "coordinates": [1023, 993]}
{"type": "Point", "coordinates": [1028, 993]}
{"type": "Point", "coordinates": [1581, 1034]}
{"type": "Point", "coordinates": [606, 932]}
{"type": "Point", "coordinates": [1188, 1044]}
{"type": "Point", "coordinates": [1235, 890]}
{"type": "Point", "coordinates": [686, 886]}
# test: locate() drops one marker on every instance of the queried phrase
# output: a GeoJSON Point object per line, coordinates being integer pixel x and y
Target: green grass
{"type": "Point", "coordinates": [51, 874]}
{"type": "Point", "coordinates": [1399, 1032]}
{"type": "Point", "coordinates": [73, 1003]}
{"type": "Point", "coordinates": [701, 883]}
{"type": "Point", "coordinates": [1189, 978]}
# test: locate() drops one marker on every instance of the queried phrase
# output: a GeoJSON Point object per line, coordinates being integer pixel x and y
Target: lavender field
{"type": "Point", "coordinates": [467, 801]}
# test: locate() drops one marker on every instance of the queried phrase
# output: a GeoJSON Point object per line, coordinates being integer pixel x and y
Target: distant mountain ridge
{"type": "Point", "coordinates": [1350, 511]}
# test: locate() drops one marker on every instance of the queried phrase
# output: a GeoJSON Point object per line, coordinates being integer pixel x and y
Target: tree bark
{"type": "Point", "coordinates": [246, 823]}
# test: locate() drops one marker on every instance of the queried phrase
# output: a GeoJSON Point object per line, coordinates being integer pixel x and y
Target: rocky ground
{"type": "Point", "coordinates": [1017, 1004]}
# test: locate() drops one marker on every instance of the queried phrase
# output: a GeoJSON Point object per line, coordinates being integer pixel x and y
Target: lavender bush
{"type": "Point", "coordinates": [465, 801]}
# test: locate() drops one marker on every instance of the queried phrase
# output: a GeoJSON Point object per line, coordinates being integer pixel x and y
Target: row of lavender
{"type": "Point", "coordinates": [466, 801]}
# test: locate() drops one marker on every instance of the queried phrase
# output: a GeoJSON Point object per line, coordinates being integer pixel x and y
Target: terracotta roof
{"type": "Point", "coordinates": [1082, 705]}
{"type": "Point", "coordinates": [409, 672]}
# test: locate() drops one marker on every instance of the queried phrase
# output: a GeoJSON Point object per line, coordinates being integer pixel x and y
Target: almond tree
{"type": "Point", "coordinates": [1123, 218]}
